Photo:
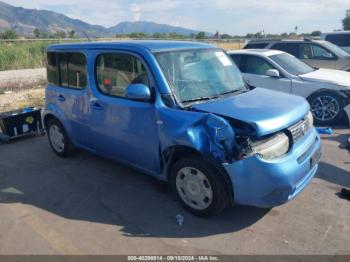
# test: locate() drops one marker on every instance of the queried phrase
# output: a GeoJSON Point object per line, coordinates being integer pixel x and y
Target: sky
{"type": "Point", "coordinates": [237, 17]}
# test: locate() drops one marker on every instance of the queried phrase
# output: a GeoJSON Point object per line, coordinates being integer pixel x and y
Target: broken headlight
{"type": "Point", "coordinates": [273, 147]}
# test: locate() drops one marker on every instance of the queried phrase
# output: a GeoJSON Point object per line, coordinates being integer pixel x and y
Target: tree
{"type": "Point", "coordinates": [316, 33]}
{"type": "Point", "coordinates": [71, 34]}
{"type": "Point", "coordinates": [9, 34]}
{"type": "Point", "coordinates": [200, 35]}
{"type": "Point", "coordinates": [36, 33]}
{"type": "Point", "coordinates": [59, 34]}
{"type": "Point", "coordinates": [346, 20]}
{"type": "Point", "coordinates": [226, 36]}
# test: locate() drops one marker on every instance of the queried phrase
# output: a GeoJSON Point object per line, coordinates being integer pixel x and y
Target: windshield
{"type": "Point", "coordinates": [335, 49]}
{"type": "Point", "coordinates": [200, 74]}
{"type": "Point", "coordinates": [291, 64]}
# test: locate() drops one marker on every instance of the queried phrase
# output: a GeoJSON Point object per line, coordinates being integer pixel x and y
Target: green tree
{"type": "Point", "coordinates": [200, 35]}
{"type": "Point", "coordinates": [226, 36]}
{"type": "Point", "coordinates": [71, 34]}
{"type": "Point", "coordinates": [346, 20]}
{"type": "Point", "coordinates": [9, 34]}
{"type": "Point", "coordinates": [316, 33]}
{"type": "Point", "coordinates": [59, 34]}
{"type": "Point", "coordinates": [37, 33]}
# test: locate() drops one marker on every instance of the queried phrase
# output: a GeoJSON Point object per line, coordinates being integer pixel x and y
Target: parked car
{"type": "Point", "coordinates": [181, 112]}
{"type": "Point", "coordinates": [341, 39]}
{"type": "Point", "coordinates": [327, 90]}
{"type": "Point", "coordinates": [317, 53]}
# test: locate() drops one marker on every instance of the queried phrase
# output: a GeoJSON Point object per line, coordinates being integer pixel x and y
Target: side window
{"type": "Point", "coordinates": [52, 68]}
{"type": "Point", "coordinates": [256, 65]}
{"type": "Point", "coordinates": [76, 70]}
{"type": "Point", "coordinates": [114, 72]}
{"type": "Point", "coordinates": [342, 40]}
{"type": "Point", "coordinates": [66, 69]}
{"type": "Point", "coordinates": [312, 51]}
{"type": "Point", "coordinates": [291, 48]}
{"type": "Point", "coordinates": [238, 61]}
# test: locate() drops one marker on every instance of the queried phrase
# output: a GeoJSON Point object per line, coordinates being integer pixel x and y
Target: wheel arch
{"type": "Point", "coordinates": [174, 153]}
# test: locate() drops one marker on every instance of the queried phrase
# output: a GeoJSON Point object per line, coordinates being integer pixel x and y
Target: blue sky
{"type": "Point", "coordinates": [227, 16]}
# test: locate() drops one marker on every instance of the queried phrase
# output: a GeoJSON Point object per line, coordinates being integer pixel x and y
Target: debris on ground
{"type": "Point", "coordinates": [252, 230]}
{"type": "Point", "coordinates": [345, 194]}
{"type": "Point", "coordinates": [180, 219]}
{"type": "Point", "coordinates": [324, 130]}
{"type": "Point", "coordinates": [285, 242]}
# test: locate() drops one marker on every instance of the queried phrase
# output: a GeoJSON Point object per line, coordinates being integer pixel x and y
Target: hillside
{"type": "Point", "coordinates": [24, 21]}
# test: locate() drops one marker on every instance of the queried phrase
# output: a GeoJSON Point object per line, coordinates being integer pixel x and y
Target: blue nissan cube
{"type": "Point", "coordinates": [181, 112]}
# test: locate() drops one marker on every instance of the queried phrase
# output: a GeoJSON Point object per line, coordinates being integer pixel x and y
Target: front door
{"type": "Point", "coordinates": [123, 129]}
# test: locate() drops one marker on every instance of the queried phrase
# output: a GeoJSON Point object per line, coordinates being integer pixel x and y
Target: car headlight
{"type": "Point", "coordinates": [309, 120]}
{"type": "Point", "coordinates": [273, 147]}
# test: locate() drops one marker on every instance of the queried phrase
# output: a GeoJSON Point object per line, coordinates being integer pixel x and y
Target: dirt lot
{"type": "Point", "coordinates": [89, 205]}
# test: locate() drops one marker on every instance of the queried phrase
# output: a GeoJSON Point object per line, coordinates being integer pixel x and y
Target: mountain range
{"type": "Point", "coordinates": [25, 21]}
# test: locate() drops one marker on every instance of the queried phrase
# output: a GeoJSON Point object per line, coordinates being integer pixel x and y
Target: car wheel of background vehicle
{"type": "Point", "coordinates": [327, 108]}
{"type": "Point", "coordinates": [58, 139]}
{"type": "Point", "coordinates": [200, 188]}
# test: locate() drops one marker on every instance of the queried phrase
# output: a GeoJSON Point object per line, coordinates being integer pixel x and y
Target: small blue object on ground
{"type": "Point", "coordinates": [324, 130]}
{"type": "Point", "coordinates": [180, 220]}
{"type": "Point", "coordinates": [27, 109]}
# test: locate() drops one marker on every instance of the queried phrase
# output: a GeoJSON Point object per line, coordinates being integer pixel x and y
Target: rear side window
{"type": "Point", "coordinates": [342, 40]}
{"type": "Point", "coordinates": [256, 46]}
{"type": "Point", "coordinates": [114, 72]}
{"type": "Point", "coordinates": [67, 70]}
{"type": "Point", "coordinates": [291, 48]}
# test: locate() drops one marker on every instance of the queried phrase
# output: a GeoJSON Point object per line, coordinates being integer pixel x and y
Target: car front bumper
{"type": "Point", "coordinates": [262, 183]}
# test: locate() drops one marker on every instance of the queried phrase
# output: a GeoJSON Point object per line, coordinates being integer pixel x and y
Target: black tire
{"type": "Point", "coordinates": [337, 104]}
{"type": "Point", "coordinates": [220, 196]}
{"type": "Point", "coordinates": [67, 145]}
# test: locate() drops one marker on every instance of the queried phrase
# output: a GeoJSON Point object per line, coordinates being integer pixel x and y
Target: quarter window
{"type": "Point", "coordinates": [114, 72]}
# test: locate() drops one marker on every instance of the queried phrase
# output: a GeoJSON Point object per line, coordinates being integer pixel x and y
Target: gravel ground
{"type": "Point", "coordinates": [21, 79]}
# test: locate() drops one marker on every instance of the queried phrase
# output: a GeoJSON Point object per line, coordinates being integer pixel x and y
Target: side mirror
{"type": "Point", "coordinates": [138, 92]}
{"type": "Point", "coordinates": [273, 73]}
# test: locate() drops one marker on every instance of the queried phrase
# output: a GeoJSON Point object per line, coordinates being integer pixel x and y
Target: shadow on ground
{"type": "Point", "coordinates": [93, 189]}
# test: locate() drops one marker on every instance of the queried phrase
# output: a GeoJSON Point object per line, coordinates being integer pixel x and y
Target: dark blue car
{"type": "Point", "coordinates": [181, 112]}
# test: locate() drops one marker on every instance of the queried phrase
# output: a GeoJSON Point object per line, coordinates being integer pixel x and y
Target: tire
{"type": "Point", "coordinates": [204, 192]}
{"type": "Point", "coordinates": [327, 108]}
{"type": "Point", "coordinates": [58, 139]}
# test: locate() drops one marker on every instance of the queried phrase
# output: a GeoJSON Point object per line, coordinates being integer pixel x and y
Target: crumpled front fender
{"type": "Point", "coordinates": [207, 133]}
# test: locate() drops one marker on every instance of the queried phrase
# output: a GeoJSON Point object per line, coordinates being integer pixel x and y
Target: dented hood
{"type": "Point", "coordinates": [265, 110]}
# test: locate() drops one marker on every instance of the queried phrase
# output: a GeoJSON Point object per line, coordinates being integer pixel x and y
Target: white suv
{"type": "Point", "coordinates": [327, 90]}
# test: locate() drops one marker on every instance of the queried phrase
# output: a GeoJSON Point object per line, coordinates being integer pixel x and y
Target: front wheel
{"type": "Point", "coordinates": [200, 188]}
{"type": "Point", "coordinates": [327, 108]}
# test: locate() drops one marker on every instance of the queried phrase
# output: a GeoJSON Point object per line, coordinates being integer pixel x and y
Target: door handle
{"type": "Point", "coordinates": [61, 98]}
{"type": "Point", "coordinates": [96, 106]}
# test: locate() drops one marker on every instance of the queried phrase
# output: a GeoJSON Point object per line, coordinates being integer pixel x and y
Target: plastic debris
{"type": "Point", "coordinates": [285, 242]}
{"type": "Point", "coordinates": [180, 220]}
{"type": "Point", "coordinates": [252, 230]}
{"type": "Point", "coordinates": [345, 194]}
{"type": "Point", "coordinates": [8, 92]}
{"type": "Point", "coordinates": [324, 130]}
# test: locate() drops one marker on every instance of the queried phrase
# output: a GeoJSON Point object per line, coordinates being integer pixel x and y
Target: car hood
{"type": "Point", "coordinates": [331, 76]}
{"type": "Point", "coordinates": [265, 110]}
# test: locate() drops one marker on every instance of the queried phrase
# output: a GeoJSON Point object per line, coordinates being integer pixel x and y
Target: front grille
{"type": "Point", "coordinates": [299, 130]}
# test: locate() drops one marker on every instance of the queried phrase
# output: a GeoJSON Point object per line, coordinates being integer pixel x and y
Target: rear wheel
{"type": "Point", "coordinates": [58, 139]}
{"type": "Point", "coordinates": [327, 108]}
{"type": "Point", "coordinates": [200, 188]}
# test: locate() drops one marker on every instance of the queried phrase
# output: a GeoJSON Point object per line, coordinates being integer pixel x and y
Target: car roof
{"type": "Point", "coordinates": [151, 45]}
{"type": "Point", "coordinates": [285, 41]}
{"type": "Point", "coordinates": [336, 33]}
{"type": "Point", "coordinates": [259, 52]}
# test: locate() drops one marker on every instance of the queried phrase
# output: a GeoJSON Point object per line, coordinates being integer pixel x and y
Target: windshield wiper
{"type": "Point", "coordinates": [233, 92]}
{"type": "Point", "coordinates": [199, 99]}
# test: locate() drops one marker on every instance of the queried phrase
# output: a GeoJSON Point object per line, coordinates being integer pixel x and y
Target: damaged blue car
{"type": "Point", "coordinates": [181, 112]}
